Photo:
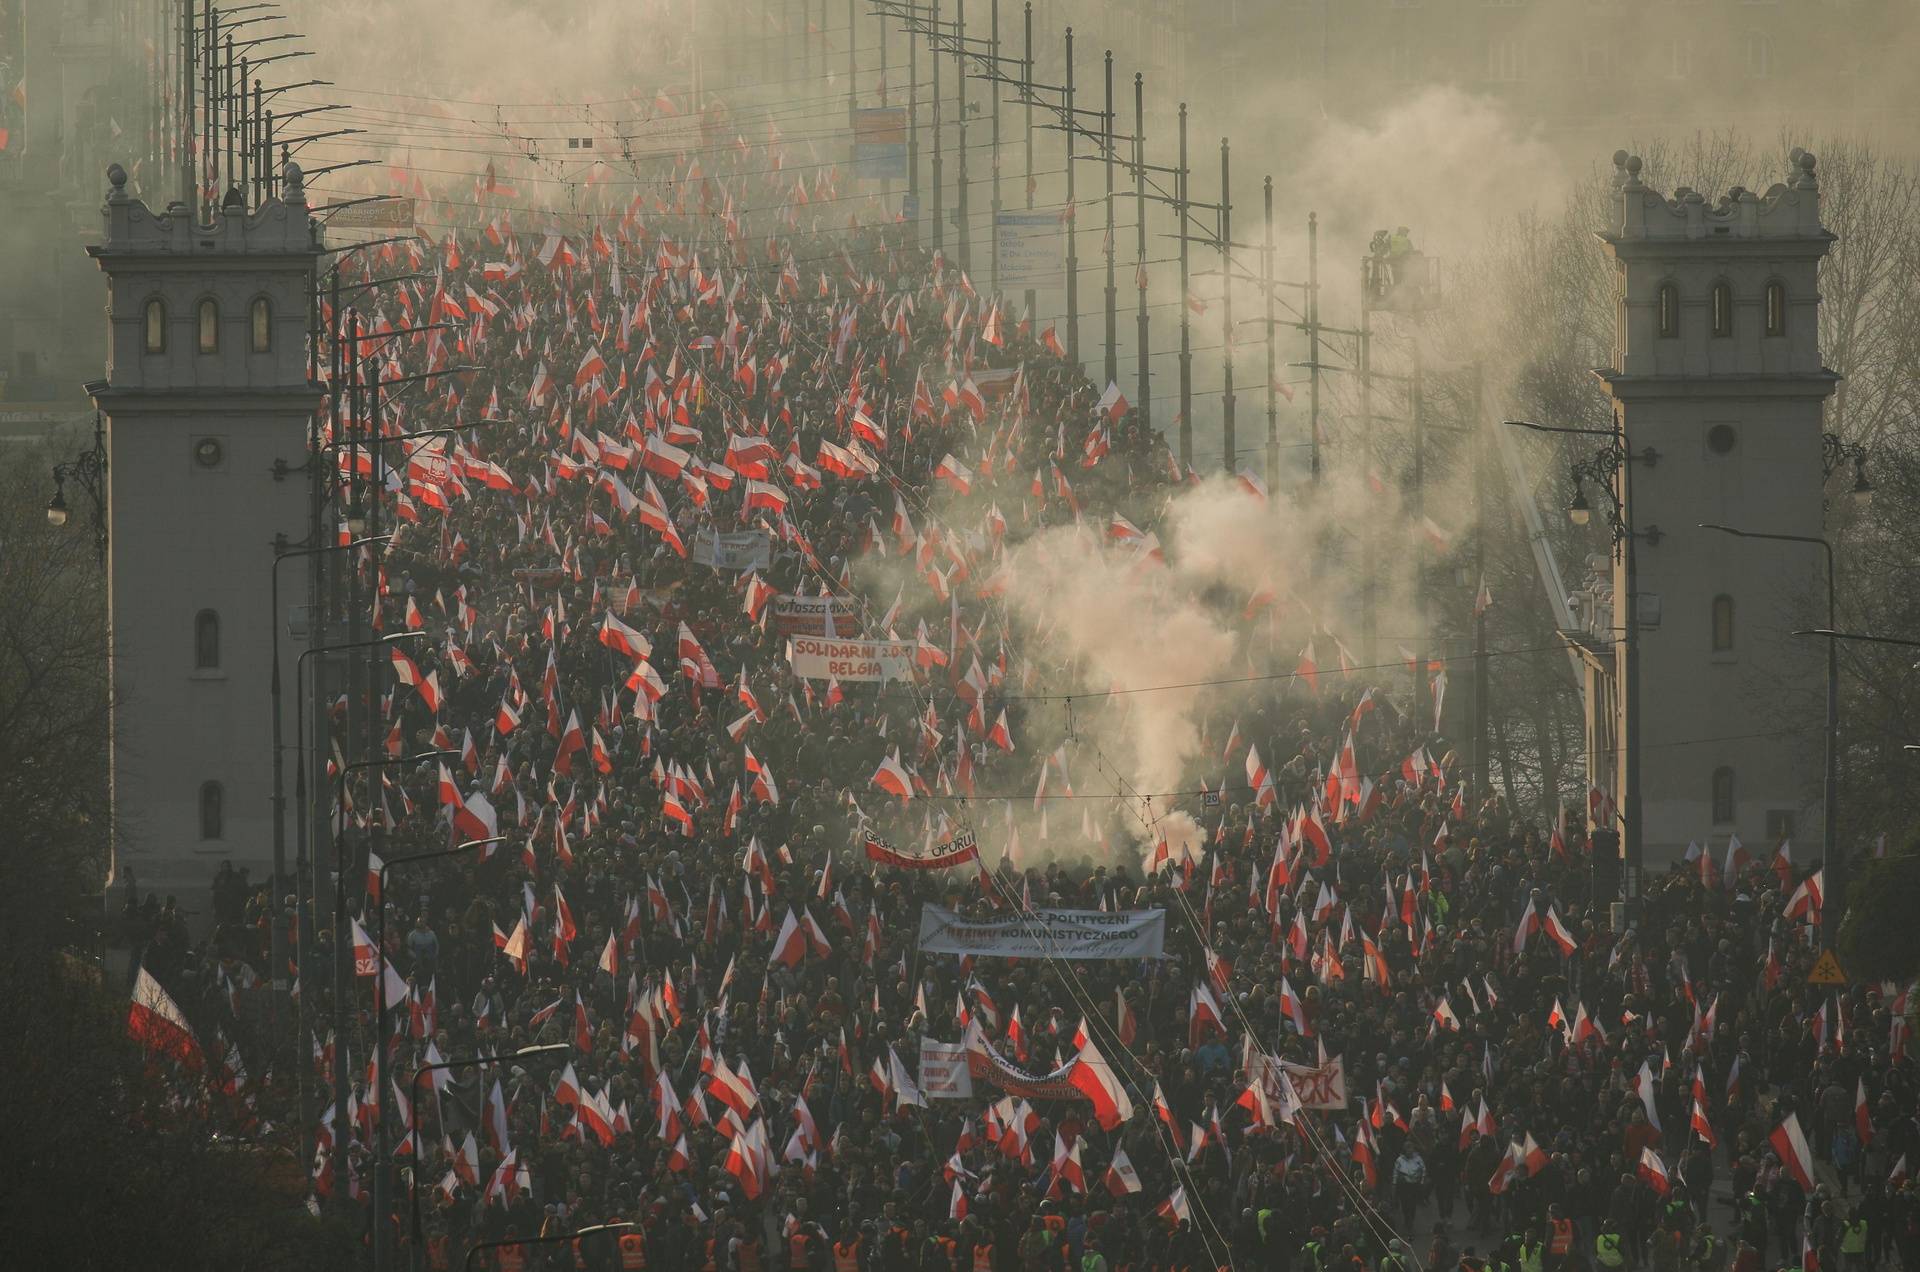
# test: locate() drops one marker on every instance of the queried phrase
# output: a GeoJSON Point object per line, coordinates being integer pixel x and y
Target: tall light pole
{"type": "Point", "coordinates": [342, 969]}
{"type": "Point", "coordinates": [413, 1116]}
{"type": "Point", "coordinates": [1611, 468]}
{"type": "Point", "coordinates": [1835, 860]}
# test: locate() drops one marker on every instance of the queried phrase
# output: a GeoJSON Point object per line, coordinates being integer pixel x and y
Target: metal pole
{"type": "Point", "coordinates": [1026, 92]}
{"type": "Point", "coordinates": [1424, 625]}
{"type": "Point", "coordinates": [913, 128]}
{"type": "Point", "coordinates": [382, 1159]}
{"type": "Point", "coordinates": [1226, 309]}
{"type": "Point", "coordinates": [1313, 346]}
{"type": "Point", "coordinates": [1273, 390]}
{"type": "Point", "coordinates": [1632, 842]}
{"type": "Point", "coordinates": [963, 227]}
{"type": "Point", "coordinates": [1113, 308]}
{"type": "Point", "coordinates": [1073, 222]}
{"type": "Point", "coordinates": [1835, 862]}
{"type": "Point", "coordinates": [1367, 532]}
{"type": "Point", "coordinates": [939, 212]}
{"type": "Point", "coordinates": [993, 43]}
{"type": "Point", "coordinates": [1482, 683]}
{"type": "Point", "coordinates": [1140, 241]}
{"type": "Point", "coordinates": [1186, 310]}
{"type": "Point", "coordinates": [186, 104]}
{"type": "Point", "coordinates": [342, 936]}
{"type": "Point", "coordinates": [853, 43]}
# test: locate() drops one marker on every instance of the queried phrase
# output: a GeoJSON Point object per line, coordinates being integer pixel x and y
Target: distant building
{"type": "Point", "coordinates": [1716, 366]}
{"type": "Point", "coordinates": [206, 388]}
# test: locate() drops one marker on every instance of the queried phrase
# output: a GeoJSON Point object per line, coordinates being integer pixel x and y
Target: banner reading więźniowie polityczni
{"type": "Point", "coordinates": [1081, 934]}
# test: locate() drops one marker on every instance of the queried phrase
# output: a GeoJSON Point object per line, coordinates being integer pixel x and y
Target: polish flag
{"type": "Point", "coordinates": [1790, 1146]}
{"type": "Point", "coordinates": [1121, 1179]}
{"type": "Point", "coordinates": [1094, 1077]}
{"type": "Point", "coordinates": [892, 777]}
{"type": "Point", "coordinates": [1112, 404]}
{"type": "Point", "coordinates": [590, 366]}
{"type": "Point", "coordinates": [1653, 1172]}
{"type": "Point", "coordinates": [156, 1022]}
{"type": "Point", "coordinates": [955, 474]}
{"type": "Point", "coordinates": [791, 945]}
{"type": "Point", "coordinates": [1173, 1209]}
{"type": "Point", "coordinates": [616, 635]}
{"type": "Point", "coordinates": [1558, 932]}
{"type": "Point", "coordinates": [999, 735]}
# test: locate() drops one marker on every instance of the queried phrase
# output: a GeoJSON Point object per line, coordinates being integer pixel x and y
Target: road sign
{"type": "Point", "coordinates": [1827, 970]}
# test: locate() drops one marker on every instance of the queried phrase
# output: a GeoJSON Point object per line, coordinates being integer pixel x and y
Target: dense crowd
{"type": "Point", "coordinates": [1477, 1069]}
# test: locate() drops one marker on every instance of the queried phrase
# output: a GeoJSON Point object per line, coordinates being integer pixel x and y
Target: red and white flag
{"type": "Point", "coordinates": [156, 1022]}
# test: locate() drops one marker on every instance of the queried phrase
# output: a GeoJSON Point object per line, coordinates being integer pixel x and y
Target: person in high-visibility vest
{"type": "Point", "coordinates": [1853, 1242]}
{"type": "Point", "coordinates": [846, 1254]}
{"type": "Point", "coordinates": [1559, 1236]}
{"type": "Point", "coordinates": [1608, 1248]}
{"type": "Point", "coordinates": [633, 1251]}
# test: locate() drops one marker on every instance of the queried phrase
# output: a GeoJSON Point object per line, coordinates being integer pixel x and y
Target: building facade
{"type": "Point", "coordinates": [1716, 367]}
{"type": "Point", "coordinates": [206, 388]}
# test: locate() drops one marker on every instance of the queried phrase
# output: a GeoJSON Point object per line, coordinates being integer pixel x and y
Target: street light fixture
{"type": "Point", "coordinates": [380, 979]}
{"type": "Point", "coordinates": [413, 1117]}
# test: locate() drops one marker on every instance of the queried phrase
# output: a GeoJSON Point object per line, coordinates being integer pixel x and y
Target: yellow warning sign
{"type": "Point", "coordinates": [1827, 971]}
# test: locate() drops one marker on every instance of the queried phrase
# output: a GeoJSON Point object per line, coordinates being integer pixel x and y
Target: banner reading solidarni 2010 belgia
{"type": "Point", "coordinates": [818, 658]}
{"type": "Point", "coordinates": [1079, 934]}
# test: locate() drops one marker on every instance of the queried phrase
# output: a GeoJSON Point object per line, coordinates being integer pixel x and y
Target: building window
{"type": "Point", "coordinates": [153, 326]}
{"type": "Point", "coordinates": [213, 813]}
{"type": "Point", "coordinates": [207, 324]}
{"type": "Point", "coordinates": [1722, 624]}
{"type": "Point", "coordinates": [1667, 319]}
{"type": "Point", "coordinates": [1722, 438]}
{"type": "Point", "coordinates": [1596, 61]}
{"type": "Point", "coordinates": [1759, 56]}
{"type": "Point", "coordinates": [1722, 796]}
{"type": "Point", "coordinates": [1722, 295]}
{"type": "Point", "coordinates": [1776, 308]}
{"type": "Point", "coordinates": [260, 324]}
{"type": "Point", "coordinates": [206, 641]}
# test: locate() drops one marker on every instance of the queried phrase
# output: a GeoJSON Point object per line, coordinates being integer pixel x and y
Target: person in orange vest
{"type": "Point", "coordinates": [805, 1245]}
{"type": "Point", "coordinates": [1559, 1237]}
{"type": "Point", "coordinates": [510, 1258]}
{"type": "Point", "coordinates": [848, 1253]}
{"type": "Point", "coordinates": [633, 1251]}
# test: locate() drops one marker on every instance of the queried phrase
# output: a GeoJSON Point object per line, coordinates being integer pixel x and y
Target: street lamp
{"type": "Point", "coordinates": [342, 943]}
{"type": "Point", "coordinates": [1611, 469]}
{"type": "Point", "coordinates": [278, 937]}
{"type": "Point", "coordinates": [89, 469]}
{"type": "Point", "coordinates": [557, 1238]}
{"type": "Point", "coordinates": [413, 1116]}
{"type": "Point", "coordinates": [1836, 860]}
{"type": "Point", "coordinates": [380, 977]}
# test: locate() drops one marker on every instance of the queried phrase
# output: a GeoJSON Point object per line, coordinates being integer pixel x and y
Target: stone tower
{"type": "Point", "coordinates": [1716, 366]}
{"type": "Point", "coordinates": [206, 387]}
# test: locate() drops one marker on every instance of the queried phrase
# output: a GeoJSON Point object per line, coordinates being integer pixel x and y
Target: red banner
{"type": "Point", "coordinates": [957, 851]}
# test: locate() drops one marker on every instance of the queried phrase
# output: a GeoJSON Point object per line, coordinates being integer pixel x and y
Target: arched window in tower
{"type": "Point", "coordinates": [213, 811]}
{"type": "Point", "coordinates": [1776, 308]}
{"type": "Point", "coordinates": [1723, 624]}
{"type": "Point", "coordinates": [1722, 796]}
{"type": "Point", "coordinates": [260, 324]}
{"type": "Point", "coordinates": [1722, 309]}
{"type": "Point", "coordinates": [207, 325]}
{"type": "Point", "coordinates": [153, 326]}
{"type": "Point", "coordinates": [1667, 312]}
{"type": "Point", "coordinates": [206, 641]}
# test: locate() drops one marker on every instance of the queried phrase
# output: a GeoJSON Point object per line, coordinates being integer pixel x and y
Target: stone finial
{"type": "Point", "coordinates": [117, 180]}
{"type": "Point", "coordinates": [1633, 172]}
{"type": "Point", "coordinates": [1804, 179]}
{"type": "Point", "coordinates": [1619, 169]}
{"type": "Point", "coordinates": [293, 188]}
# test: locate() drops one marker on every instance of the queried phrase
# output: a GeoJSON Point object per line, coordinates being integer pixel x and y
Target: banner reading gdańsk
{"type": "Point", "coordinates": [1079, 934]}
{"type": "Point", "coordinates": [957, 851]}
{"type": "Point", "coordinates": [818, 658]}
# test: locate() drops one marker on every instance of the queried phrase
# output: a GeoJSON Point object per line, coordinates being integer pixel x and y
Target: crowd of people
{"type": "Point", "coordinates": [1393, 1027]}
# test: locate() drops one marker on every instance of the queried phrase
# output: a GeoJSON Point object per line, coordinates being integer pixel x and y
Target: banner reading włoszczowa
{"type": "Point", "coordinates": [1058, 933]}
